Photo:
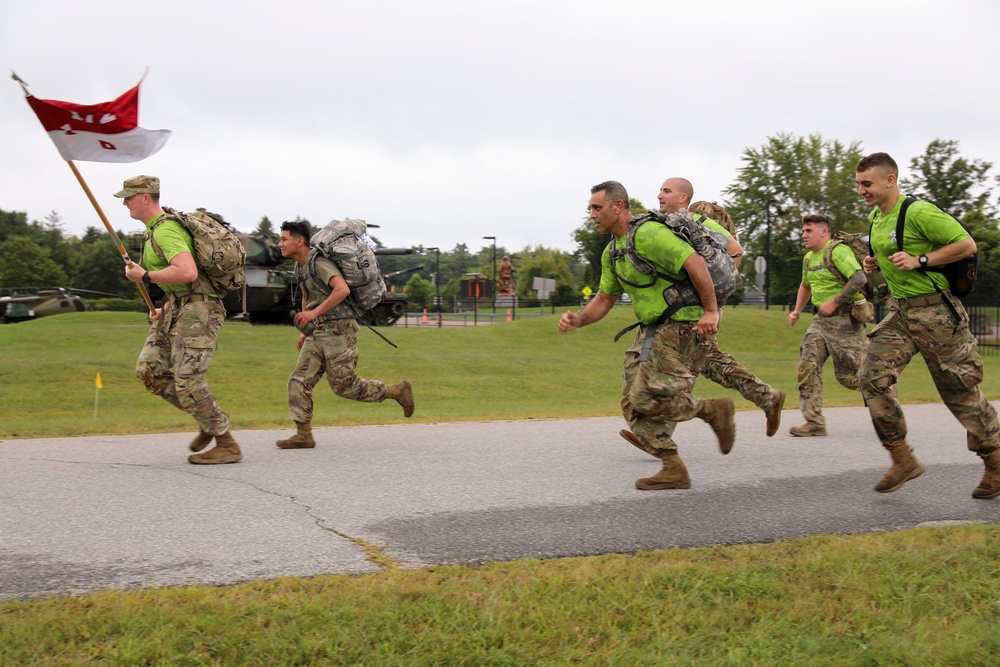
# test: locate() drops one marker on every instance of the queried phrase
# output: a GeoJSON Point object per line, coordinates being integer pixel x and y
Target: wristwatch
{"type": "Point", "coordinates": [923, 261]}
{"type": "Point", "coordinates": [145, 278]}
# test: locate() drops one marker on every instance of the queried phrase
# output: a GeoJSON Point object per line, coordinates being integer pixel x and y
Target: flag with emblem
{"type": "Point", "coordinates": [103, 132]}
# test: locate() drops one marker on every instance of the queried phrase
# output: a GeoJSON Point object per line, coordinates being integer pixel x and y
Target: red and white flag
{"type": "Point", "coordinates": [106, 132]}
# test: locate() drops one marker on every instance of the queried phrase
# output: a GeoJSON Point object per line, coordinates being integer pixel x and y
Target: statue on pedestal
{"type": "Point", "coordinates": [505, 285]}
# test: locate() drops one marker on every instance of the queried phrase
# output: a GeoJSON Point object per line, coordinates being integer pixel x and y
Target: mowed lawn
{"type": "Point", "coordinates": [509, 370]}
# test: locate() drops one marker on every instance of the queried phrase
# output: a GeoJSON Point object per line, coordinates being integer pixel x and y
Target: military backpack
{"type": "Point", "coordinates": [715, 212]}
{"type": "Point", "coordinates": [218, 252]}
{"type": "Point", "coordinates": [961, 274]}
{"type": "Point", "coordinates": [876, 290]}
{"type": "Point", "coordinates": [708, 243]}
{"type": "Point", "coordinates": [346, 243]}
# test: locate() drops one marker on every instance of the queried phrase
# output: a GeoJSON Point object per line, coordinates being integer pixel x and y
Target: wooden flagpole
{"type": "Point", "coordinates": [114, 236]}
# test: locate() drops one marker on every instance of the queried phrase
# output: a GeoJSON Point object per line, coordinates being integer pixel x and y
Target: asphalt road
{"type": "Point", "coordinates": [83, 514]}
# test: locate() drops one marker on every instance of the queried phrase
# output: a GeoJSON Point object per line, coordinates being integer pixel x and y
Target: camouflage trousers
{"type": "Point", "coordinates": [949, 350]}
{"type": "Point", "coordinates": [177, 355]}
{"type": "Point", "coordinates": [839, 337]}
{"type": "Point", "coordinates": [722, 369]}
{"type": "Point", "coordinates": [332, 349]}
{"type": "Point", "coordinates": [656, 393]}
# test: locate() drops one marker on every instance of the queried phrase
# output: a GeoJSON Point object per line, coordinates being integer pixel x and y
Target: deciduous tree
{"type": "Point", "coordinates": [793, 176]}
{"type": "Point", "coordinates": [953, 183]}
{"type": "Point", "coordinates": [24, 263]}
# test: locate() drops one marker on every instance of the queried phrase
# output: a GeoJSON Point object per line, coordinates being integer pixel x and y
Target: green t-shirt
{"type": "Point", "coordinates": [172, 239]}
{"type": "Point", "coordinates": [927, 228]}
{"type": "Point", "coordinates": [658, 244]}
{"type": "Point", "coordinates": [824, 284]}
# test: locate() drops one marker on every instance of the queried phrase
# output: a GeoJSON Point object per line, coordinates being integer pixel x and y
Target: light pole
{"type": "Point", "coordinates": [494, 239]}
{"type": "Point", "coordinates": [437, 280]}
{"type": "Point", "coordinates": [767, 255]}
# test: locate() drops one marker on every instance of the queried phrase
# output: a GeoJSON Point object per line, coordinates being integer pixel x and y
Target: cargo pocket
{"type": "Point", "coordinates": [964, 369]}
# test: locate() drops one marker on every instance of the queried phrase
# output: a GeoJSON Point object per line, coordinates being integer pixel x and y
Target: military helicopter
{"type": "Point", "coordinates": [30, 303]}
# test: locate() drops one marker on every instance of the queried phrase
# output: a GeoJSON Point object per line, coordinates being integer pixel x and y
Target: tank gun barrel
{"type": "Point", "coordinates": [403, 272]}
{"type": "Point", "coordinates": [394, 251]}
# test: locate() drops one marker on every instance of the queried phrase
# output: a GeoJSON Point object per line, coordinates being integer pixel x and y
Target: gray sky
{"type": "Point", "coordinates": [444, 121]}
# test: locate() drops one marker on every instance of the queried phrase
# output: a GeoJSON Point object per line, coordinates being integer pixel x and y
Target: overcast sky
{"type": "Point", "coordinates": [443, 121]}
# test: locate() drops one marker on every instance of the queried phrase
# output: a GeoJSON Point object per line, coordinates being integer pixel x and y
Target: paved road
{"type": "Point", "coordinates": [81, 514]}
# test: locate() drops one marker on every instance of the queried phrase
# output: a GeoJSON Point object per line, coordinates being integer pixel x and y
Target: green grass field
{"type": "Point", "coordinates": [928, 596]}
{"type": "Point", "coordinates": [517, 370]}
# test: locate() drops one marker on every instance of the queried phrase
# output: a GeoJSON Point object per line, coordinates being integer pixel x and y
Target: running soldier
{"type": "Point", "coordinates": [721, 367]}
{"type": "Point", "coordinates": [656, 391]}
{"type": "Point", "coordinates": [837, 330]}
{"type": "Point", "coordinates": [331, 346]}
{"type": "Point", "coordinates": [923, 317]}
{"type": "Point", "coordinates": [178, 350]}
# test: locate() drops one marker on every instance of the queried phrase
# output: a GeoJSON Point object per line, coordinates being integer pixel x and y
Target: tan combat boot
{"type": "Point", "coordinates": [402, 393]}
{"type": "Point", "coordinates": [225, 451]}
{"type": "Point", "coordinates": [673, 475]}
{"type": "Point", "coordinates": [989, 488]}
{"type": "Point", "coordinates": [719, 413]}
{"type": "Point", "coordinates": [303, 438]}
{"type": "Point", "coordinates": [807, 430]}
{"type": "Point", "coordinates": [905, 467]}
{"type": "Point", "coordinates": [634, 439]}
{"type": "Point", "coordinates": [773, 412]}
{"type": "Point", "coordinates": [200, 441]}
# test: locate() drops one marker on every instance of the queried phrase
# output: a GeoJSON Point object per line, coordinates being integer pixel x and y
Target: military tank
{"type": "Point", "coordinates": [393, 304]}
{"type": "Point", "coordinates": [273, 296]}
{"type": "Point", "coordinates": [270, 283]}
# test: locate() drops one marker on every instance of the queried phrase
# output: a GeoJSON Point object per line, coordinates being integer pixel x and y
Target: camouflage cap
{"type": "Point", "coordinates": [139, 185]}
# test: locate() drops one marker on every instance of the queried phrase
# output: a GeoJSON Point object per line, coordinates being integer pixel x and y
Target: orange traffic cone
{"type": "Point", "coordinates": [508, 315]}
{"type": "Point", "coordinates": [423, 320]}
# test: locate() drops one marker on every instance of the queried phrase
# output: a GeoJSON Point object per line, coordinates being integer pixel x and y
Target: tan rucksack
{"type": "Point", "coordinates": [875, 290]}
{"type": "Point", "coordinates": [715, 212]}
{"type": "Point", "coordinates": [218, 252]}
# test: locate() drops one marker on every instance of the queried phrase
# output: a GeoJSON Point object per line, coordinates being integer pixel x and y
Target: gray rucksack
{"type": "Point", "coordinates": [710, 244]}
{"type": "Point", "coordinates": [346, 243]}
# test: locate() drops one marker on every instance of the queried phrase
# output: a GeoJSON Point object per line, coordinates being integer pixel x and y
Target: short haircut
{"type": "Point", "coordinates": [816, 219]}
{"type": "Point", "coordinates": [684, 186]}
{"type": "Point", "coordinates": [881, 160]}
{"type": "Point", "coordinates": [613, 190]}
{"type": "Point", "coordinates": [297, 228]}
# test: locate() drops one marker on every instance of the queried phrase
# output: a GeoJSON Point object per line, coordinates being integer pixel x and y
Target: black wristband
{"type": "Point", "coordinates": [145, 278]}
{"type": "Point", "coordinates": [923, 261]}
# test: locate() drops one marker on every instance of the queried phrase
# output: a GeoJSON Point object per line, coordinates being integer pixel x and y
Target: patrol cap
{"type": "Point", "coordinates": [139, 185]}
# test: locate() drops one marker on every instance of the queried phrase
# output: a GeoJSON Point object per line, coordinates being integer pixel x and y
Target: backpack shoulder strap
{"type": "Point", "coordinates": [310, 272]}
{"type": "Point", "coordinates": [629, 253]}
{"type": "Point", "coordinates": [828, 261]}
{"type": "Point", "coordinates": [871, 225]}
{"type": "Point", "coordinates": [151, 237]}
{"type": "Point", "coordinates": [901, 220]}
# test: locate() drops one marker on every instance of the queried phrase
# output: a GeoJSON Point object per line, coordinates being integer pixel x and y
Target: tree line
{"type": "Point", "coordinates": [776, 184]}
{"type": "Point", "coordinates": [789, 177]}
